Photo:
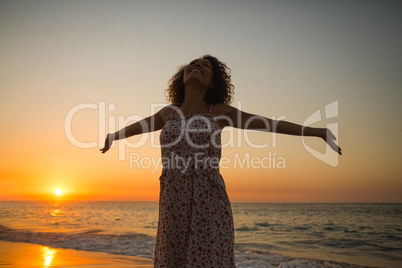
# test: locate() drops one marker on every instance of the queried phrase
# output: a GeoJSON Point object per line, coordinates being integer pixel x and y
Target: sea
{"type": "Point", "coordinates": [281, 235]}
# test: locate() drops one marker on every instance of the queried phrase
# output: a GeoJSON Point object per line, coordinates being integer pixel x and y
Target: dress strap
{"type": "Point", "coordinates": [209, 108]}
{"type": "Point", "coordinates": [174, 111]}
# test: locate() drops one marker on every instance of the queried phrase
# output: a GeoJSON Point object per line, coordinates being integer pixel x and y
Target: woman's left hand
{"type": "Point", "coordinates": [330, 139]}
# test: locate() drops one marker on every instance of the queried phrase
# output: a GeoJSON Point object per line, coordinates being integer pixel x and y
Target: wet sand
{"type": "Point", "coordinates": [17, 254]}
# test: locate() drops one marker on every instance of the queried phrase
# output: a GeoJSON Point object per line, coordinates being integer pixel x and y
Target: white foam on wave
{"type": "Point", "coordinates": [133, 244]}
{"type": "Point", "coordinates": [143, 246]}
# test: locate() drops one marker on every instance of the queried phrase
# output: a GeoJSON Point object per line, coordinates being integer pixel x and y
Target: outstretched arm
{"type": "Point", "coordinates": [243, 120]}
{"type": "Point", "coordinates": [295, 129]}
{"type": "Point", "coordinates": [149, 124]}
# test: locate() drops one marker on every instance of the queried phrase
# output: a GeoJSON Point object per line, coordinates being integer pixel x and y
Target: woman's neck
{"type": "Point", "coordinates": [194, 102]}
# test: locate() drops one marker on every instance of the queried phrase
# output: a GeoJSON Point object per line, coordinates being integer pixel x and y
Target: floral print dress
{"type": "Point", "coordinates": [195, 227]}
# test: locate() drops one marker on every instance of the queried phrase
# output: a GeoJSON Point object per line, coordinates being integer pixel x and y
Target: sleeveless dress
{"type": "Point", "coordinates": [195, 227]}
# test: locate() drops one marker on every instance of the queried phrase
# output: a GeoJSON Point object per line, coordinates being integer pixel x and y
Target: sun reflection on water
{"type": "Point", "coordinates": [55, 212]}
{"type": "Point", "coordinates": [48, 255]}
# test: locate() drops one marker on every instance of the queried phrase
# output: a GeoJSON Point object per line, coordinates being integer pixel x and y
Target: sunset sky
{"type": "Point", "coordinates": [70, 71]}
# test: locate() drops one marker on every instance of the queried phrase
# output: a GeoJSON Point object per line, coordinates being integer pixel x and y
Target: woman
{"type": "Point", "coordinates": [195, 227]}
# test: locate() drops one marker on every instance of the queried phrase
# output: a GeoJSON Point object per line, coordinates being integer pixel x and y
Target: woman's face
{"type": "Point", "coordinates": [199, 70]}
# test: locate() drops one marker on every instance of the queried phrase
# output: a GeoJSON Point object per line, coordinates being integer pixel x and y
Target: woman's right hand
{"type": "Point", "coordinates": [108, 143]}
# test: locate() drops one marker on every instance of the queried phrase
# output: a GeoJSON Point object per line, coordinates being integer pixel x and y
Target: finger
{"type": "Point", "coordinates": [329, 132]}
{"type": "Point", "coordinates": [335, 147]}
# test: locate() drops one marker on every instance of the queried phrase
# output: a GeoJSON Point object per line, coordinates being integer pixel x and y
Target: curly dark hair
{"type": "Point", "coordinates": [221, 92]}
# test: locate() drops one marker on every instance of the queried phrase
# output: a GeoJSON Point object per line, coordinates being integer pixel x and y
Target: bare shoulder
{"type": "Point", "coordinates": [224, 114]}
{"type": "Point", "coordinates": [166, 111]}
{"type": "Point", "coordinates": [221, 109]}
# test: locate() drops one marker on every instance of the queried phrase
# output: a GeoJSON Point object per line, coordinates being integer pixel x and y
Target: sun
{"type": "Point", "coordinates": [58, 191]}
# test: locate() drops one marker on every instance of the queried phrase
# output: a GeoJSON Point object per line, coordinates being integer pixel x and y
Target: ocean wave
{"type": "Point", "coordinates": [246, 229]}
{"type": "Point", "coordinates": [143, 245]}
{"type": "Point", "coordinates": [255, 259]}
{"type": "Point", "coordinates": [131, 244]}
{"type": "Point", "coordinates": [262, 224]}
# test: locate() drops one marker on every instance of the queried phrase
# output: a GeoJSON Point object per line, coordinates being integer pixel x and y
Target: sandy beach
{"type": "Point", "coordinates": [17, 254]}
